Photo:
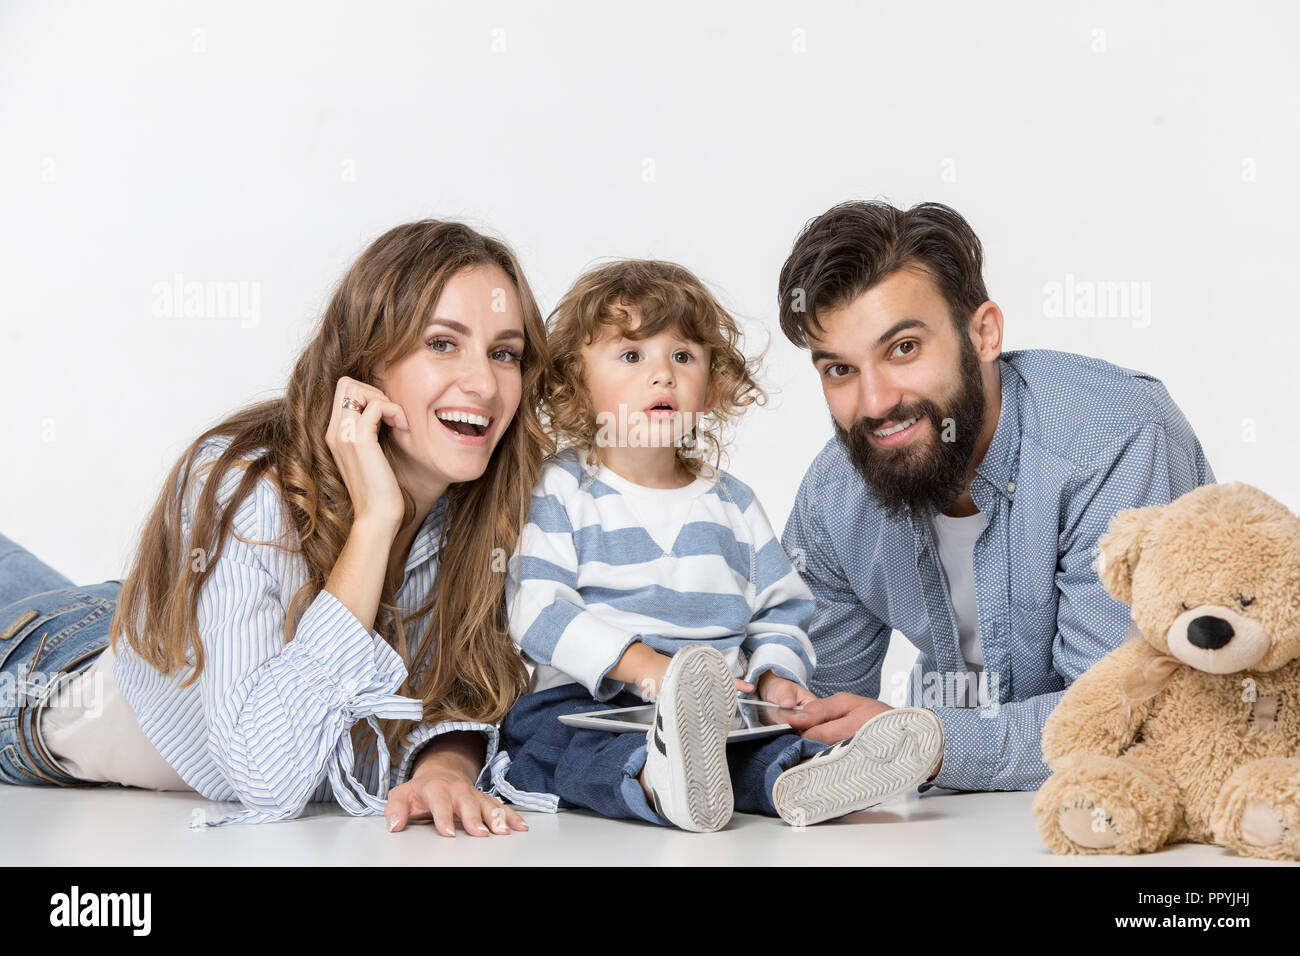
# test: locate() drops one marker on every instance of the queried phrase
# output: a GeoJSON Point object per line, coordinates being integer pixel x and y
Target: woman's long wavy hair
{"type": "Point", "coordinates": [667, 296]}
{"type": "Point", "coordinates": [466, 668]}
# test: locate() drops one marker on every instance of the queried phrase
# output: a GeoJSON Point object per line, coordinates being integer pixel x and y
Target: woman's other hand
{"type": "Point", "coordinates": [442, 788]}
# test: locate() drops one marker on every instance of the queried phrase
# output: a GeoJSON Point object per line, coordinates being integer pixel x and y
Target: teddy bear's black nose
{"type": "Point", "coordinates": [1209, 633]}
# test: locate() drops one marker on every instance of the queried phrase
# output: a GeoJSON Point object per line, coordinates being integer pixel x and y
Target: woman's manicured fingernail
{"type": "Point", "coordinates": [392, 824]}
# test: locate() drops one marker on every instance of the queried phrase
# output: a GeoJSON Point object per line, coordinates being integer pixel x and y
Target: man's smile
{"type": "Point", "coordinates": [899, 433]}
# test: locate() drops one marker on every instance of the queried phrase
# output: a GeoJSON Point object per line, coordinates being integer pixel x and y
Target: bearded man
{"type": "Point", "coordinates": [962, 495]}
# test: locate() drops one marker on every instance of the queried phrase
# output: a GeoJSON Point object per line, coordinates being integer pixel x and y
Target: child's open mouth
{"type": "Point", "coordinates": [661, 410]}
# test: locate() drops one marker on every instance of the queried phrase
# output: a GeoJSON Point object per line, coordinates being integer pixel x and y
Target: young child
{"type": "Point", "coordinates": [645, 572]}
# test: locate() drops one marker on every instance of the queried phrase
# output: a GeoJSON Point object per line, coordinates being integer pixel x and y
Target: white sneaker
{"type": "Point", "coordinates": [686, 746]}
{"type": "Point", "coordinates": [891, 753]}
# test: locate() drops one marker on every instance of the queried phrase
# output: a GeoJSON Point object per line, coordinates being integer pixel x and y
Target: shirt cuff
{"type": "Point", "coordinates": [779, 658]}
{"type": "Point", "coordinates": [492, 776]}
{"type": "Point", "coordinates": [420, 736]}
{"type": "Point", "coordinates": [338, 658]}
{"type": "Point", "coordinates": [984, 751]}
{"type": "Point", "coordinates": [603, 688]}
{"type": "Point", "coordinates": [355, 673]}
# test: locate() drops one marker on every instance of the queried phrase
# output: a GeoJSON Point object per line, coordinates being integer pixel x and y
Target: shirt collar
{"type": "Point", "coordinates": [425, 544]}
{"type": "Point", "coordinates": [1002, 459]}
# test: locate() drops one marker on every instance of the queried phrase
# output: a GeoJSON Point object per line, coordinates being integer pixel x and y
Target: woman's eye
{"type": "Point", "coordinates": [435, 342]}
{"type": "Point", "coordinates": [510, 355]}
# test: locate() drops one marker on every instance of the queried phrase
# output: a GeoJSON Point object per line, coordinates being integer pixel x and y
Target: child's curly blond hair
{"type": "Point", "coordinates": [667, 296]}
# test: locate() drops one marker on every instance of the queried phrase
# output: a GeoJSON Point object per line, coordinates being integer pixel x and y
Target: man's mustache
{"type": "Point", "coordinates": [863, 426]}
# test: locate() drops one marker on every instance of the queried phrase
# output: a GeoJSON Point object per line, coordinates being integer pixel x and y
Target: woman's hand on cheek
{"type": "Point", "coordinates": [353, 440]}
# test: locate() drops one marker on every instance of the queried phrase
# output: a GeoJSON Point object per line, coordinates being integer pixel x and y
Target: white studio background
{"type": "Point", "coordinates": [1154, 145]}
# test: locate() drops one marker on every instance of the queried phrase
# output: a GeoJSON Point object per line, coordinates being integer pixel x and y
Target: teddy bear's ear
{"type": "Point", "coordinates": [1119, 548]}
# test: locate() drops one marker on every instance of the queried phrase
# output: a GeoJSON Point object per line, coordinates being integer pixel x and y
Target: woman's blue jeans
{"type": "Point", "coordinates": [49, 628]}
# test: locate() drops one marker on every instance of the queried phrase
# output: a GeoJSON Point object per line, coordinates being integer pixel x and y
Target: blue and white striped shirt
{"type": "Point", "coordinates": [1077, 440]}
{"type": "Point", "coordinates": [267, 723]}
{"type": "Point", "coordinates": [592, 580]}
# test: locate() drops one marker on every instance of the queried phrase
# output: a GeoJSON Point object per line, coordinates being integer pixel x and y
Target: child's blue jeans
{"type": "Point", "coordinates": [598, 770]}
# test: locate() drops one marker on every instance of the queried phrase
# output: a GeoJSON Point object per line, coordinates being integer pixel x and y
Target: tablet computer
{"type": "Point", "coordinates": [626, 720]}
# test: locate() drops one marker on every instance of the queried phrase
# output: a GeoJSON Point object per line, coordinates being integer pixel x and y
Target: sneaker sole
{"type": "Point", "coordinates": [892, 753]}
{"type": "Point", "coordinates": [704, 705]}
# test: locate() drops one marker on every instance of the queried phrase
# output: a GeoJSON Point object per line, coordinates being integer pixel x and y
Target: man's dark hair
{"type": "Point", "coordinates": [851, 247]}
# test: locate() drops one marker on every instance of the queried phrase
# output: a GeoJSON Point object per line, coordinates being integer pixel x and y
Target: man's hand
{"type": "Point", "coordinates": [442, 788]}
{"type": "Point", "coordinates": [835, 718]}
{"type": "Point", "coordinates": [838, 717]}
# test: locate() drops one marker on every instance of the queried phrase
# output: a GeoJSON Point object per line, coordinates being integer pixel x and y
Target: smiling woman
{"type": "Point", "coordinates": [462, 382]}
{"type": "Point", "coordinates": [284, 586]}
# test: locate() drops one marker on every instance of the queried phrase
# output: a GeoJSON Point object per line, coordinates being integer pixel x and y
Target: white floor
{"type": "Point", "coordinates": [114, 827]}
{"type": "Point", "coordinates": [118, 827]}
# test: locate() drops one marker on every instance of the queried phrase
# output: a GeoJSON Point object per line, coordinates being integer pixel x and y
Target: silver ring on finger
{"type": "Point", "coordinates": [353, 404]}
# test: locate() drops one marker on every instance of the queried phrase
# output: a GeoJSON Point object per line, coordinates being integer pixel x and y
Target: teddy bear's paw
{"type": "Point", "coordinates": [1104, 805]}
{"type": "Point", "coordinates": [1258, 810]}
{"type": "Point", "coordinates": [1267, 831]}
{"type": "Point", "coordinates": [1261, 823]}
{"type": "Point", "coordinates": [1088, 826]}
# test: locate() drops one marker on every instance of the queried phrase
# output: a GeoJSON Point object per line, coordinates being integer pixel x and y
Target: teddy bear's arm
{"type": "Point", "coordinates": [1093, 715]}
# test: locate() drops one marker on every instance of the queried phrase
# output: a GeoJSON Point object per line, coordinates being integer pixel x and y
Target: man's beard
{"type": "Point", "coordinates": [928, 473]}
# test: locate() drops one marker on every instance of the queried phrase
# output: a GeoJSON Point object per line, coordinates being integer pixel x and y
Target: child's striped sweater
{"type": "Point", "coordinates": [592, 579]}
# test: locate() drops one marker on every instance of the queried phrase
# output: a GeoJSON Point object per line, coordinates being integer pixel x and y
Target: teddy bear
{"type": "Point", "coordinates": [1189, 731]}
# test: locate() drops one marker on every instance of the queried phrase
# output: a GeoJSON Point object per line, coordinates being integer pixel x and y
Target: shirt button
{"type": "Point", "coordinates": [1011, 487]}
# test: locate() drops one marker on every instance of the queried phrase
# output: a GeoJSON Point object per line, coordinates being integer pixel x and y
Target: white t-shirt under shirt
{"type": "Point", "coordinates": [92, 732]}
{"type": "Point", "coordinates": [955, 538]}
